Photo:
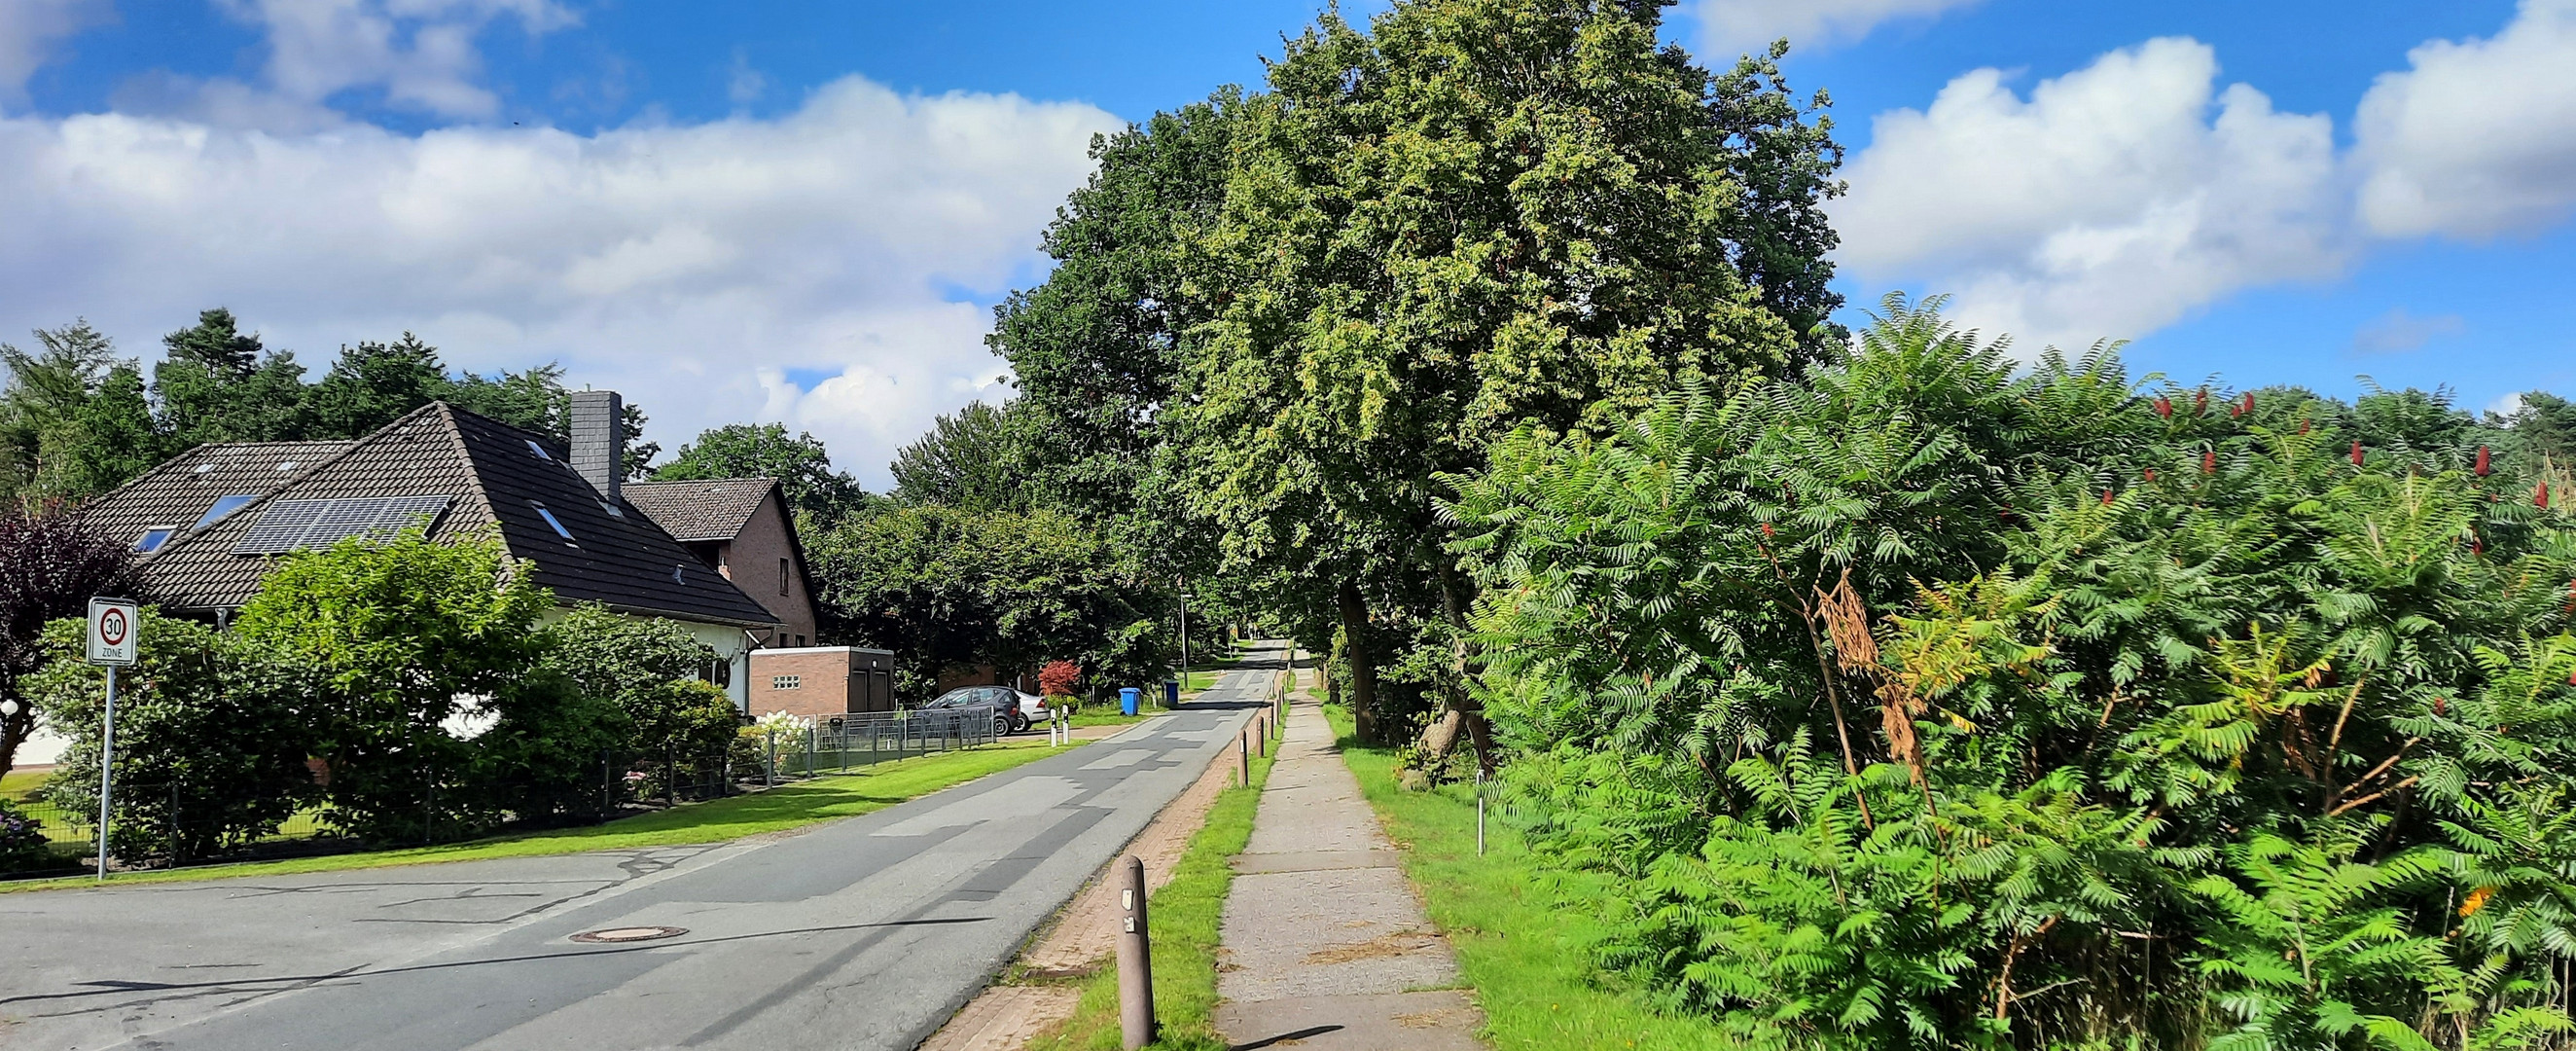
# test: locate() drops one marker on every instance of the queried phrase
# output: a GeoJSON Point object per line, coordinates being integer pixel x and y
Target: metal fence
{"type": "Point", "coordinates": [861, 739]}
{"type": "Point", "coordinates": [158, 824]}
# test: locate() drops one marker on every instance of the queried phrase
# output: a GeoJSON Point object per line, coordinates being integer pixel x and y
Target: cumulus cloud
{"type": "Point", "coordinates": [2109, 202]}
{"type": "Point", "coordinates": [1731, 27]}
{"type": "Point", "coordinates": [28, 30]}
{"type": "Point", "coordinates": [695, 267]}
{"type": "Point", "coordinates": [2477, 137]}
{"type": "Point", "coordinates": [420, 53]}
{"type": "Point", "coordinates": [2399, 331]}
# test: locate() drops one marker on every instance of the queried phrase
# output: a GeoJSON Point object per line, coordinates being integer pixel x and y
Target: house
{"type": "Point", "coordinates": [741, 528]}
{"type": "Point", "coordinates": [208, 525]}
{"type": "Point", "coordinates": [822, 681]}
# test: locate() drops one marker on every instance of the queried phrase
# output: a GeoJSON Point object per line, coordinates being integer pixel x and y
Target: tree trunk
{"type": "Point", "coordinates": [1363, 658]}
{"type": "Point", "coordinates": [1479, 732]}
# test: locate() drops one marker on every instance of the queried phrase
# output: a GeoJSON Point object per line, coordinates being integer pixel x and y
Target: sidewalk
{"type": "Point", "coordinates": [1325, 945]}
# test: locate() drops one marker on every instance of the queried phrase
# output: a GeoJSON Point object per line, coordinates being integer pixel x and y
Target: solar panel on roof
{"type": "Point", "coordinates": [297, 525]}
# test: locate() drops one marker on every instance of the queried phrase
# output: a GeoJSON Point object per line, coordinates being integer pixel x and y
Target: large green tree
{"type": "Point", "coordinates": [1481, 214]}
{"type": "Point", "coordinates": [951, 589]}
{"type": "Point", "coordinates": [964, 461]}
{"type": "Point", "coordinates": [74, 421]}
{"type": "Point", "coordinates": [801, 464]}
{"type": "Point", "coordinates": [216, 383]}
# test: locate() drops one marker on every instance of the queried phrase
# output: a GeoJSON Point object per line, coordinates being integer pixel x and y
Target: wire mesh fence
{"type": "Point", "coordinates": [162, 822]}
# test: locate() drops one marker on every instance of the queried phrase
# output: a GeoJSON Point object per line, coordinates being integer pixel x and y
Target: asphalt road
{"type": "Point", "coordinates": [862, 934]}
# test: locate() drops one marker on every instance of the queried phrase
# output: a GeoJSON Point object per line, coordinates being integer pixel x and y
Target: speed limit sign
{"type": "Point", "coordinates": [112, 630]}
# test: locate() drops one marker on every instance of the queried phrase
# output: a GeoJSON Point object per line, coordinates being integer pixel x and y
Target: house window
{"type": "Point", "coordinates": [223, 509]}
{"type": "Point", "coordinates": [153, 538]}
{"type": "Point", "coordinates": [549, 516]}
{"type": "Point", "coordinates": [538, 449]}
{"type": "Point", "coordinates": [720, 672]}
{"type": "Point", "coordinates": [800, 640]}
{"type": "Point", "coordinates": [782, 576]}
{"type": "Point", "coordinates": [786, 682]}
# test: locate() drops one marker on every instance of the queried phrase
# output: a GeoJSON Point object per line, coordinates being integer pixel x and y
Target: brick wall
{"type": "Point", "coordinates": [823, 682]}
{"type": "Point", "coordinates": [750, 560]}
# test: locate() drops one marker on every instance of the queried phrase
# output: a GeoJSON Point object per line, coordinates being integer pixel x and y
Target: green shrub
{"type": "Point", "coordinates": [22, 843]}
{"type": "Point", "coordinates": [1934, 700]}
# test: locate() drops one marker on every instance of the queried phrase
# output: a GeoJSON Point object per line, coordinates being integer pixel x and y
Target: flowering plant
{"type": "Point", "coordinates": [1056, 679]}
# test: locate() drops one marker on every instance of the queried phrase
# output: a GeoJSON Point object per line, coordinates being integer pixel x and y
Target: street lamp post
{"type": "Point", "coordinates": [1185, 640]}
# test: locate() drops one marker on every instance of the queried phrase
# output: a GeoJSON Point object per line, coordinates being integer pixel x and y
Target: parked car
{"type": "Point", "coordinates": [1013, 711]}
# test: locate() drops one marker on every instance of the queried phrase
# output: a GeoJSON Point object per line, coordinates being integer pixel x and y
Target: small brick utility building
{"type": "Point", "coordinates": [821, 681]}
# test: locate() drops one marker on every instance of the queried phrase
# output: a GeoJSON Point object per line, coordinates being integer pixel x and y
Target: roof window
{"type": "Point", "coordinates": [539, 450]}
{"type": "Point", "coordinates": [153, 538]}
{"type": "Point", "coordinates": [612, 509]}
{"type": "Point", "coordinates": [551, 520]}
{"type": "Point", "coordinates": [202, 468]}
{"type": "Point", "coordinates": [284, 466]}
{"type": "Point", "coordinates": [223, 509]}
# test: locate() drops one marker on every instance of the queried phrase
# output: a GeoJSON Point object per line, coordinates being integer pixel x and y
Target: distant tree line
{"type": "Point", "coordinates": [77, 419]}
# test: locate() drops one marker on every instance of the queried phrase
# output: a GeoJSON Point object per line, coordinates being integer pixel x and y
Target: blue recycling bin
{"type": "Point", "coordinates": [1171, 693]}
{"type": "Point", "coordinates": [1129, 698]}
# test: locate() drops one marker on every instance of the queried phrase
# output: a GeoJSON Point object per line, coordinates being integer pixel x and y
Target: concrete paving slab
{"type": "Point", "coordinates": [1324, 942]}
{"type": "Point", "coordinates": [1435, 1020]}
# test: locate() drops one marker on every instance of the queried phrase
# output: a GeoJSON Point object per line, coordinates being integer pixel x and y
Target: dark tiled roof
{"type": "Point", "coordinates": [178, 492]}
{"type": "Point", "coordinates": [623, 560]}
{"type": "Point", "coordinates": [701, 509]}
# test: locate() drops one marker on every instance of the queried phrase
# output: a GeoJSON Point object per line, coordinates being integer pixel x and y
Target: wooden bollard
{"type": "Point", "coordinates": [1262, 733]}
{"type": "Point", "coordinates": [1135, 960]}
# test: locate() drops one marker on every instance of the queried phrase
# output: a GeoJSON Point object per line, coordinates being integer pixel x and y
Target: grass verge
{"type": "Point", "coordinates": [714, 821]}
{"type": "Point", "coordinates": [18, 785]}
{"type": "Point", "coordinates": [1184, 920]}
{"type": "Point", "coordinates": [1517, 942]}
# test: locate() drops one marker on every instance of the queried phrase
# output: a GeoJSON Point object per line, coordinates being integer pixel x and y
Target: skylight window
{"type": "Point", "coordinates": [153, 538]}
{"type": "Point", "coordinates": [539, 450]}
{"type": "Point", "coordinates": [201, 468]}
{"type": "Point", "coordinates": [612, 510]}
{"type": "Point", "coordinates": [284, 466]}
{"type": "Point", "coordinates": [223, 509]}
{"type": "Point", "coordinates": [549, 516]}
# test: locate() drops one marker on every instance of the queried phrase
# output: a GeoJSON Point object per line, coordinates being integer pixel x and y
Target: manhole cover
{"type": "Point", "coordinates": [630, 934]}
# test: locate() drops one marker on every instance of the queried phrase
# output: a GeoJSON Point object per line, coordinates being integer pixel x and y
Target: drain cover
{"type": "Point", "coordinates": [630, 934]}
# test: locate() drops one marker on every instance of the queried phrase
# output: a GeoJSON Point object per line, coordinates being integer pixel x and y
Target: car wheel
{"type": "Point", "coordinates": [1001, 725]}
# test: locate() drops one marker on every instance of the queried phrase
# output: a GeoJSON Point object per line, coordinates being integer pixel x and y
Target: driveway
{"type": "Point", "coordinates": [865, 933]}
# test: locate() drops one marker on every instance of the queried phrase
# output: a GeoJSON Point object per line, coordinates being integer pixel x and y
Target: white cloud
{"type": "Point", "coordinates": [2506, 405]}
{"type": "Point", "coordinates": [420, 53]}
{"type": "Point", "coordinates": [2477, 138]}
{"type": "Point", "coordinates": [1732, 27]}
{"type": "Point", "coordinates": [2399, 331]}
{"type": "Point", "coordinates": [28, 30]}
{"type": "Point", "coordinates": [2113, 200]}
{"type": "Point", "coordinates": [691, 266]}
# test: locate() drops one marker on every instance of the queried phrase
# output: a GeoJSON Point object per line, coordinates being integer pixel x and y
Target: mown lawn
{"type": "Point", "coordinates": [714, 821]}
{"type": "Point", "coordinates": [1518, 943]}
{"type": "Point", "coordinates": [1183, 916]}
{"type": "Point", "coordinates": [21, 784]}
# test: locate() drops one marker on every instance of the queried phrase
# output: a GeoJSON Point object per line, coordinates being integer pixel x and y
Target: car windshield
{"type": "Point", "coordinates": [952, 699]}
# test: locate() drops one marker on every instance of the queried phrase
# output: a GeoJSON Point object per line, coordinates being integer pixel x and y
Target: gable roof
{"type": "Point", "coordinates": [618, 557]}
{"type": "Point", "coordinates": [701, 509]}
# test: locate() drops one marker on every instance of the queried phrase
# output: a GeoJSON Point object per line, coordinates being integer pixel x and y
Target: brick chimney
{"type": "Point", "coordinates": [599, 439]}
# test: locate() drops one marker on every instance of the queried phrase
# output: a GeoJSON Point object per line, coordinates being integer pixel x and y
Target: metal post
{"type": "Point", "coordinates": [1135, 960]}
{"type": "Point", "coordinates": [1243, 756]}
{"type": "Point", "coordinates": [1185, 642]}
{"type": "Point", "coordinates": [809, 751]}
{"type": "Point", "coordinates": [1480, 813]}
{"type": "Point", "coordinates": [106, 769]}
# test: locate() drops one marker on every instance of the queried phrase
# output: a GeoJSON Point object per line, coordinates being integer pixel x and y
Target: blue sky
{"type": "Point", "coordinates": [766, 210]}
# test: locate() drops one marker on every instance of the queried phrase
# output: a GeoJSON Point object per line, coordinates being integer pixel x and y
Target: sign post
{"type": "Point", "coordinates": [113, 628]}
